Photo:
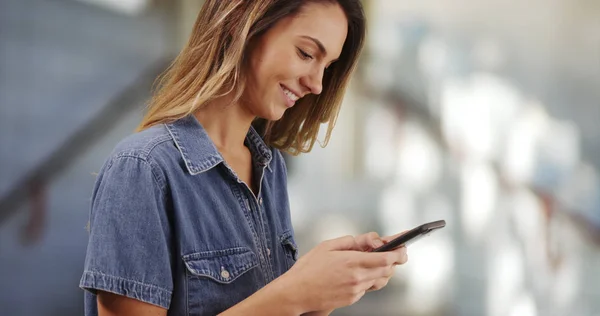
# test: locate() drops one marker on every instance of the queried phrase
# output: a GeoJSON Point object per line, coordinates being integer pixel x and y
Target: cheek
{"type": "Point", "coordinates": [277, 65]}
{"type": "Point", "coordinates": [269, 67]}
{"type": "Point", "coordinates": [265, 78]}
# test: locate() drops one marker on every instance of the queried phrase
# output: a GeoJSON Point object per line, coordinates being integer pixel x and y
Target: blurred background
{"type": "Point", "coordinates": [483, 113]}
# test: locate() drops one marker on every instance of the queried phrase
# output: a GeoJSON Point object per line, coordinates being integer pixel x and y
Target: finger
{"type": "Point", "coordinates": [403, 255]}
{"type": "Point", "coordinates": [379, 284]}
{"type": "Point", "coordinates": [378, 259]}
{"type": "Point", "coordinates": [379, 277]}
{"type": "Point", "coordinates": [369, 241]}
{"type": "Point", "coordinates": [342, 243]}
{"type": "Point", "coordinates": [358, 296]}
{"type": "Point", "coordinates": [374, 274]}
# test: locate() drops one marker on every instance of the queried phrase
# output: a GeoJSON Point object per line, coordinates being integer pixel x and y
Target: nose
{"type": "Point", "coordinates": [313, 80]}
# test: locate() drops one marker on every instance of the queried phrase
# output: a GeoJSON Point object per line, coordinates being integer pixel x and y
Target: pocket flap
{"type": "Point", "coordinates": [223, 266]}
{"type": "Point", "coordinates": [287, 240]}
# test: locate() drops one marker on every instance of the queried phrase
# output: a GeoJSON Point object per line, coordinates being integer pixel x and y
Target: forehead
{"type": "Point", "coordinates": [325, 22]}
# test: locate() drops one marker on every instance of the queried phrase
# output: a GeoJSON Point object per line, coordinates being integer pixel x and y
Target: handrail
{"type": "Point", "coordinates": [82, 139]}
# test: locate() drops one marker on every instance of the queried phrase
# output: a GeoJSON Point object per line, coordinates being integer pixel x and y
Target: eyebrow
{"type": "Point", "coordinates": [319, 45]}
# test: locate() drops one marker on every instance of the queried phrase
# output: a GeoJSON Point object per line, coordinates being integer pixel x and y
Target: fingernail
{"type": "Point", "coordinates": [377, 243]}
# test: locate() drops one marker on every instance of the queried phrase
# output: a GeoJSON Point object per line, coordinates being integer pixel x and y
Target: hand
{"type": "Point", "coordinates": [336, 273]}
{"type": "Point", "coordinates": [370, 241]}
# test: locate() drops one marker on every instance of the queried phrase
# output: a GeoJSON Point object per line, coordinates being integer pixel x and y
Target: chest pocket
{"type": "Point", "coordinates": [289, 247]}
{"type": "Point", "coordinates": [219, 279]}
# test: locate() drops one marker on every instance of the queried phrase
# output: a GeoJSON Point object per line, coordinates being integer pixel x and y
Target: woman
{"type": "Point", "coordinates": [190, 215]}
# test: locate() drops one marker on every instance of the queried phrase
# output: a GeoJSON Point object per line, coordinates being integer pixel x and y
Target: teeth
{"type": "Point", "coordinates": [290, 94]}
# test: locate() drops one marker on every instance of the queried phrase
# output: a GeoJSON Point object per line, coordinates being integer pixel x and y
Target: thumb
{"type": "Point", "coordinates": [369, 241]}
{"type": "Point", "coordinates": [343, 243]}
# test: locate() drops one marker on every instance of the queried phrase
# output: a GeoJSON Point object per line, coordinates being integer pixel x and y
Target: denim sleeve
{"type": "Point", "coordinates": [129, 250]}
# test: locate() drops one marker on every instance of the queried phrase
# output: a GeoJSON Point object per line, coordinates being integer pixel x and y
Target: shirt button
{"type": "Point", "coordinates": [268, 252]}
{"type": "Point", "coordinates": [225, 274]}
{"type": "Point", "coordinates": [260, 201]}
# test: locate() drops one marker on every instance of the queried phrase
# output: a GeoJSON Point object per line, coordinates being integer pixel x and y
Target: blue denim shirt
{"type": "Point", "coordinates": [172, 225]}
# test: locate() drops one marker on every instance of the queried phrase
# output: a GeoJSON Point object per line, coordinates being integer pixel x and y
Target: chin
{"type": "Point", "coordinates": [274, 117]}
{"type": "Point", "coordinates": [275, 114]}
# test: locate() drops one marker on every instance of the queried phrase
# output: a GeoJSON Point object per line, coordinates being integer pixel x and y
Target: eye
{"type": "Point", "coordinates": [304, 55]}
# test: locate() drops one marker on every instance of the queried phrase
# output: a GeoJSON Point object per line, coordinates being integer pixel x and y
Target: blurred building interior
{"type": "Point", "coordinates": [482, 113]}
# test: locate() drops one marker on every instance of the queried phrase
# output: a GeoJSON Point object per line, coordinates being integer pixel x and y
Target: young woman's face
{"type": "Point", "coordinates": [289, 60]}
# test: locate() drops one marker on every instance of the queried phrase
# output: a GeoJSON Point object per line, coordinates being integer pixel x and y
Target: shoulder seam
{"type": "Point", "coordinates": [143, 150]}
{"type": "Point", "coordinates": [155, 175]}
{"type": "Point", "coordinates": [159, 140]}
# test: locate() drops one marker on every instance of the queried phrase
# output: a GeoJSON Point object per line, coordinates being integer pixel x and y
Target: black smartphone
{"type": "Point", "coordinates": [411, 236]}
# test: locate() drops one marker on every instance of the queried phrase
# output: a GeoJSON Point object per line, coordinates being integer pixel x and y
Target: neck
{"type": "Point", "coordinates": [225, 123]}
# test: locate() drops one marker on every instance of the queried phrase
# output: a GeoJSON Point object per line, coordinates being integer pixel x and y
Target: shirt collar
{"type": "Point", "coordinates": [199, 152]}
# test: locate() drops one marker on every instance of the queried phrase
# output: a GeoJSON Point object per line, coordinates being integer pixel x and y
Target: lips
{"type": "Point", "coordinates": [289, 96]}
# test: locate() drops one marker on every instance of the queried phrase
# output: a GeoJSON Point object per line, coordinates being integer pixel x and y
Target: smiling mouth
{"type": "Point", "coordinates": [290, 96]}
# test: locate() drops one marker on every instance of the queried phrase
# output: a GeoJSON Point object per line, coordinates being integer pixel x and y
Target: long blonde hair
{"type": "Point", "coordinates": [211, 65]}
